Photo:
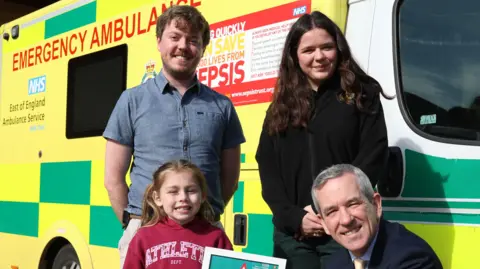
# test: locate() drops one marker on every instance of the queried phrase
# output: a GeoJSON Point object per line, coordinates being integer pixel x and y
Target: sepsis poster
{"type": "Point", "coordinates": [244, 53]}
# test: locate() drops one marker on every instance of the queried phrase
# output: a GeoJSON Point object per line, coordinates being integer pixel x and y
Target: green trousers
{"type": "Point", "coordinates": [309, 253]}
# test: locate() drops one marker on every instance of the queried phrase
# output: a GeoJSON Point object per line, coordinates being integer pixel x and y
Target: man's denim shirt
{"type": "Point", "coordinates": [161, 125]}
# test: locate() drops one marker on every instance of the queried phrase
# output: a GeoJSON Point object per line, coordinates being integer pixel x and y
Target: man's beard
{"type": "Point", "coordinates": [182, 74]}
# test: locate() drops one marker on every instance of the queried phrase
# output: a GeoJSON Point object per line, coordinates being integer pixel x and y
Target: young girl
{"type": "Point", "coordinates": [176, 221]}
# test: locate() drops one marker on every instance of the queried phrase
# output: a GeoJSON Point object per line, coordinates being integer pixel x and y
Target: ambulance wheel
{"type": "Point", "coordinates": [66, 258]}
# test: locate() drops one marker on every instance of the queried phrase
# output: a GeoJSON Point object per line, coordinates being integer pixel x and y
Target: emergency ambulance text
{"type": "Point", "coordinates": [112, 31]}
{"type": "Point", "coordinates": [53, 50]}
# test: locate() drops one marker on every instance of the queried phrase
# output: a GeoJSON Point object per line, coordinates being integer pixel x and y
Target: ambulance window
{"type": "Point", "coordinates": [95, 82]}
{"type": "Point", "coordinates": [438, 50]}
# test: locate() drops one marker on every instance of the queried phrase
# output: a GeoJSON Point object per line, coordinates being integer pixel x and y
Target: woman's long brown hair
{"type": "Point", "coordinates": [151, 213]}
{"type": "Point", "coordinates": [291, 104]}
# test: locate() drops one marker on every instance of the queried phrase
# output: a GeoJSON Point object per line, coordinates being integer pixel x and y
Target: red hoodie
{"type": "Point", "coordinates": [170, 245]}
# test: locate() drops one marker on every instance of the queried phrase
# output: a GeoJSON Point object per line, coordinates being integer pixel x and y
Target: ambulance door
{"type": "Point", "coordinates": [427, 52]}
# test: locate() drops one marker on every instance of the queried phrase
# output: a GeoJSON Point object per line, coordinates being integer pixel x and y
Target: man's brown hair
{"type": "Point", "coordinates": [186, 18]}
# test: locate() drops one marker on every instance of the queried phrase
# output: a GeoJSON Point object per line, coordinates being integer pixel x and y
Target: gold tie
{"type": "Point", "coordinates": [359, 263]}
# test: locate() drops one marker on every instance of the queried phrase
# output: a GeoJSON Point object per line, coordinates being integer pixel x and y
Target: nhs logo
{"type": "Point", "coordinates": [299, 10]}
{"type": "Point", "coordinates": [37, 85]}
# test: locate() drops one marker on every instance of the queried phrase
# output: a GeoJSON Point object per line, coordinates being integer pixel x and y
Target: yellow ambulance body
{"type": "Point", "coordinates": [63, 68]}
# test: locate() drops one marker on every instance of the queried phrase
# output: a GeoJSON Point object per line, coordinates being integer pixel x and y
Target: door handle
{"type": "Point", "coordinates": [240, 230]}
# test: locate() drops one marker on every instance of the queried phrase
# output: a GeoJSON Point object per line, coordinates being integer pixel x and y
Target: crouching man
{"type": "Point", "coordinates": [351, 213]}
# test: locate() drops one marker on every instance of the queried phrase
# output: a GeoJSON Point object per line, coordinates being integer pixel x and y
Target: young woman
{"type": "Point", "coordinates": [325, 111]}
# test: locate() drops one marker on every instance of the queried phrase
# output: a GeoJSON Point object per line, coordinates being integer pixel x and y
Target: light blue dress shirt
{"type": "Point", "coordinates": [368, 254]}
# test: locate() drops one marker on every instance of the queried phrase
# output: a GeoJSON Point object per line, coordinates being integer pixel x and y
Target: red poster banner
{"type": "Point", "coordinates": [243, 56]}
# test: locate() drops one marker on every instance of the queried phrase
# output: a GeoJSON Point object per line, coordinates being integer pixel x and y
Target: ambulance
{"type": "Point", "coordinates": [63, 68]}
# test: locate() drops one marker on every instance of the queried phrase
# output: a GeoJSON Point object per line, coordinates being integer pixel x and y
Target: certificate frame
{"type": "Point", "coordinates": [240, 258]}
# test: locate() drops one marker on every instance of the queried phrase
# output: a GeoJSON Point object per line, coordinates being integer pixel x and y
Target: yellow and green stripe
{"type": "Point", "coordinates": [429, 183]}
{"type": "Point", "coordinates": [65, 182]}
{"type": "Point", "coordinates": [71, 20]}
{"type": "Point", "coordinates": [64, 194]}
{"type": "Point", "coordinates": [435, 177]}
{"type": "Point", "coordinates": [57, 22]}
{"type": "Point", "coordinates": [66, 190]}
{"type": "Point", "coordinates": [19, 218]}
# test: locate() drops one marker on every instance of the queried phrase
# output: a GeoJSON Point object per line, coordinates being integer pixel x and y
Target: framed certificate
{"type": "Point", "coordinates": [215, 258]}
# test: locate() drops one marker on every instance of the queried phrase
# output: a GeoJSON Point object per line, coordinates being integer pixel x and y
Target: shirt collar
{"type": "Point", "coordinates": [366, 257]}
{"type": "Point", "coordinates": [164, 85]}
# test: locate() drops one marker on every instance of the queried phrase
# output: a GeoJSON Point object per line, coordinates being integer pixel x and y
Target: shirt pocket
{"type": "Point", "coordinates": [209, 126]}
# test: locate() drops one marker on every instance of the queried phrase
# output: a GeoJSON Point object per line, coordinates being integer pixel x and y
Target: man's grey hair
{"type": "Point", "coordinates": [339, 170]}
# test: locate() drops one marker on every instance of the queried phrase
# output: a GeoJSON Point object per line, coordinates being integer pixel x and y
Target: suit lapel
{"type": "Point", "coordinates": [377, 253]}
{"type": "Point", "coordinates": [344, 260]}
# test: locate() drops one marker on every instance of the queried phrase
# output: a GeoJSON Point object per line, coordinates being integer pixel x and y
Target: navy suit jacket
{"type": "Point", "coordinates": [395, 248]}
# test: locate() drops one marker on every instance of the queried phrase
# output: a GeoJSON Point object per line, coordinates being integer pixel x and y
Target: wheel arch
{"type": "Point", "coordinates": [58, 235]}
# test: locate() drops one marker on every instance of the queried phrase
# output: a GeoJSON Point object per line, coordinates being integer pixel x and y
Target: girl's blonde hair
{"type": "Point", "coordinates": [152, 213]}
